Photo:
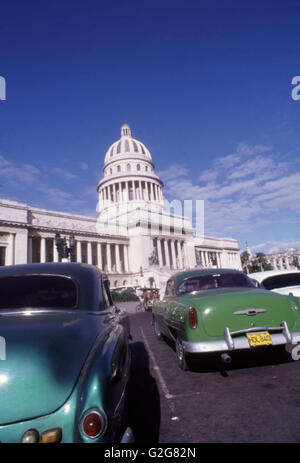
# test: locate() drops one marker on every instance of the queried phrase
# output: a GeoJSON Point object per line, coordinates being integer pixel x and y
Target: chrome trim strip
{"type": "Point", "coordinates": [238, 343]}
{"type": "Point", "coordinates": [34, 311]}
{"type": "Point", "coordinates": [257, 328]}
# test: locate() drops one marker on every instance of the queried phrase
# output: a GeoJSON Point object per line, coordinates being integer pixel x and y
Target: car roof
{"type": "Point", "coordinates": [260, 276]}
{"type": "Point", "coordinates": [180, 276]}
{"type": "Point", "coordinates": [63, 268]}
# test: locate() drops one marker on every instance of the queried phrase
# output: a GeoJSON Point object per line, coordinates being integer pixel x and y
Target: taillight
{"type": "Point", "coordinates": [93, 423]}
{"type": "Point", "coordinates": [192, 317]}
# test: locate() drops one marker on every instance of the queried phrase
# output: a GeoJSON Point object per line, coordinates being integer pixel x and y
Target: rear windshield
{"type": "Point", "coordinates": [282, 281]}
{"type": "Point", "coordinates": [214, 281]}
{"type": "Point", "coordinates": [37, 291]}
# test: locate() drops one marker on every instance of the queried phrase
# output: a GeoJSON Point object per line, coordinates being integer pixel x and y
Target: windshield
{"type": "Point", "coordinates": [282, 281]}
{"type": "Point", "coordinates": [37, 291]}
{"type": "Point", "coordinates": [215, 281]}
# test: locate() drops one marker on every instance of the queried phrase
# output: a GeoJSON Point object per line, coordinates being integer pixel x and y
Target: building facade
{"type": "Point", "coordinates": [289, 259]}
{"type": "Point", "coordinates": [135, 238]}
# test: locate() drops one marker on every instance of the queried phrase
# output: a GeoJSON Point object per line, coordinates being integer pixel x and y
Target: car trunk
{"type": "Point", "coordinates": [44, 355]}
{"type": "Point", "coordinates": [219, 308]}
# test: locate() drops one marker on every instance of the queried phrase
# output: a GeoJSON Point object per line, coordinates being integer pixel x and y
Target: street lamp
{"type": "Point", "coordinates": [63, 250]}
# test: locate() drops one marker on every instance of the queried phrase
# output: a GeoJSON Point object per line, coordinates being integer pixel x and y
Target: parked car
{"type": "Point", "coordinates": [65, 372]}
{"type": "Point", "coordinates": [221, 311]}
{"type": "Point", "coordinates": [280, 281]}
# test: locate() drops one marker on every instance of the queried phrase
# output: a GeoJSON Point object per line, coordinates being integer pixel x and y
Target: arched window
{"type": "Point", "coordinates": [138, 167]}
{"type": "Point", "coordinates": [128, 167]}
{"type": "Point", "coordinates": [119, 168]}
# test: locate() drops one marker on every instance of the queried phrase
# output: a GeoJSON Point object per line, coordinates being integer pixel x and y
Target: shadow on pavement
{"type": "Point", "coordinates": [143, 398]}
{"type": "Point", "coordinates": [258, 357]}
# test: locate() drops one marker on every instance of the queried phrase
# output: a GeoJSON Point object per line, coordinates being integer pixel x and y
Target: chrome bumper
{"type": "Point", "coordinates": [236, 340]}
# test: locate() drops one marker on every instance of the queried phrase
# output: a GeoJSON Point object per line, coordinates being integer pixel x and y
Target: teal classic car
{"type": "Point", "coordinates": [64, 356]}
{"type": "Point", "coordinates": [220, 311]}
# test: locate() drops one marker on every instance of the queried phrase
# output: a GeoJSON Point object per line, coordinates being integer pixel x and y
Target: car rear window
{"type": "Point", "coordinates": [215, 281]}
{"type": "Point", "coordinates": [37, 291]}
{"type": "Point", "coordinates": [282, 281]}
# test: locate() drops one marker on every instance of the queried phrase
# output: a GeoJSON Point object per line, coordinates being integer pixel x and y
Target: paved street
{"type": "Point", "coordinates": [257, 400]}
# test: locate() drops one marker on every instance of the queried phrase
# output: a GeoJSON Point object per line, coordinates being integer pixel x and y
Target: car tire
{"type": "Point", "coordinates": [181, 355]}
{"type": "Point", "coordinates": [157, 331]}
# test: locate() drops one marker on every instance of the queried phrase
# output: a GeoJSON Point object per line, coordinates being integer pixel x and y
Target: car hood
{"type": "Point", "coordinates": [295, 290]}
{"type": "Point", "coordinates": [44, 355]}
{"type": "Point", "coordinates": [228, 307]}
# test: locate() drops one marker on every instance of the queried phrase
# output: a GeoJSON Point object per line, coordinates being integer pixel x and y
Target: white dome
{"type": "Point", "coordinates": [127, 146]}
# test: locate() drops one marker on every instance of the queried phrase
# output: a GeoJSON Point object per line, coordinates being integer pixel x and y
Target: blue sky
{"type": "Point", "coordinates": [205, 85]}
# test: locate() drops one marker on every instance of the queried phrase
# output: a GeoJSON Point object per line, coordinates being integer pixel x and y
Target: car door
{"type": "Point", "coordinates": [166, 307]}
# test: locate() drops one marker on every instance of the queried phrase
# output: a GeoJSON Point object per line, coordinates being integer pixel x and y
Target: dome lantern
{"type": "Point", "coordinates": [125, 131]}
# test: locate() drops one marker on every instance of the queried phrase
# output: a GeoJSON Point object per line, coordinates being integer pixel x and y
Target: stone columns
{"type": "Point", "coordinates": [89, 253]}
{"type": "Point", "coordinates": [287, 262]}
{"type": "Point", "coordinates": [78, 251]}
{"type": "Point", "coordinates": [157, 193]}
{"type": "Point", "coordinates": [43, 250]}
{"type": "Point", "coordinates": [153, 191]}
{"type": "Point", "coordinates": [29, 252]}
{"type": "Point", "coordinates": [55, 252]}
{"type": "Point", "coordinates": [99, 256]}
{"type": "Point", "coordinates": [159, 251]}
{"type": "Point", "coordinates": [167, 253]}
{"type": "Point", "coordinates": [118, 259]}
{"type": "Point", "coordinates": [179, 254]}
{"type": "Point", "coordinates": [280, 263]}
{"type": "Point", "coordinates": [126, 258]}
{"type": "Point", "coordinates": [10, 254]}
{"type": "Point", "coordinates": [173, 254]}
{"type": "Point", "coordinates": [186, 263]}
{"type": "Point", "coordinates": [108, 257]}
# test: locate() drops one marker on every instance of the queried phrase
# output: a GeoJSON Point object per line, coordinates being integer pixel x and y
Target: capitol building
{"type": "Point", "coordinates": [135, 239]}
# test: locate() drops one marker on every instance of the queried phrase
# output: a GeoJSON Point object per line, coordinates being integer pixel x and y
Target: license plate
{"type": "Point", "coordinates": [259, 339]}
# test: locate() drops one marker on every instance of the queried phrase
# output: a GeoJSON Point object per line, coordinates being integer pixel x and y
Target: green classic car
{"type": "Point", "coordinates": [64, 356]}
{"type": "Point", "coordinates": [221, 311]}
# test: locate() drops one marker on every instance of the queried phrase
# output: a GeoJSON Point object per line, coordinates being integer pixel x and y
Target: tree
{"type": "Point", "coordinates": [245, 259]}
{"type": "Point", "coordinates": [259, 263]}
